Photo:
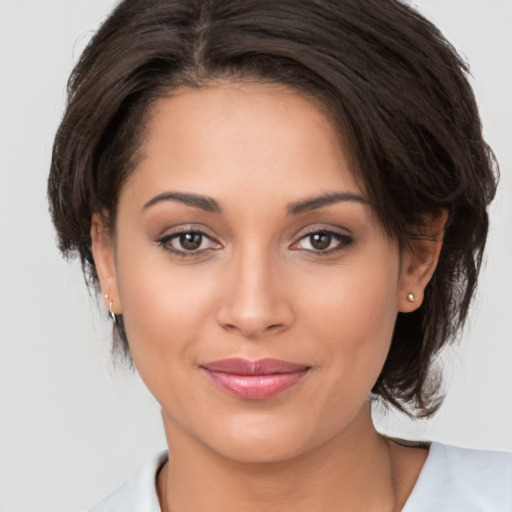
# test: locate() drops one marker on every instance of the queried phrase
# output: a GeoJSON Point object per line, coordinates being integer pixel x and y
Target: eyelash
{"type": "Point", "coordinates": [164, 242]}
{"type": "Point", "coordinates": [344, 241]}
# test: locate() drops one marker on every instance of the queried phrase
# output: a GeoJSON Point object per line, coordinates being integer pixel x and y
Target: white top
{"type": "Point", "coordinates": [452, 480]}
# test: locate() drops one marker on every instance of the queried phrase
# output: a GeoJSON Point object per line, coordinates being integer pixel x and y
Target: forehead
{"type": "Point", "coordinates": [239, 137]}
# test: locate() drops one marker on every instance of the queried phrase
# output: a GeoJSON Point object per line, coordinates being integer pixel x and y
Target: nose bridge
{"type": "Point", "coordinates": [254, 301]}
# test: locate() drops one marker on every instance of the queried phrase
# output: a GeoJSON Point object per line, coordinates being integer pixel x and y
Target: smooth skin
{"type": "Point", "coordinates": [244, 233]}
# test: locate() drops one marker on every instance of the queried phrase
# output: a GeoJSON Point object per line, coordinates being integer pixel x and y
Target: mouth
{"type": "Point", "coordinates": [254, 380]}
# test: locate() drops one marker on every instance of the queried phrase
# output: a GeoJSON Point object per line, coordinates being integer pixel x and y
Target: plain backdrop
{"type": "Point", "coordinates": [72, 426]}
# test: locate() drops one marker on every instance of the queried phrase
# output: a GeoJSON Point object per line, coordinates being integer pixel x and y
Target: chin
{"type": "Point", "coordinates": [262, 439]}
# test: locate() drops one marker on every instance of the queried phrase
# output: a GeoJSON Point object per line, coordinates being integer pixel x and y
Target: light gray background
{"type": "Point", "coordinates": [72, 426]}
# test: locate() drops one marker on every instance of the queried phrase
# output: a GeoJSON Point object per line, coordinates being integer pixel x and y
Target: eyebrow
{"type": "Point", "coordinates": [210, 205]}
{"type": "Point", "coordinates": [314, 203]}
{"type": "Point", "coordinates": [205, 203]}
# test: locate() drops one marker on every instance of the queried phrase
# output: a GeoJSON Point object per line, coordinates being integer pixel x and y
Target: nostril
{"type": "Point", "coordinates": [232, 328]}
{"type": "Point", "coordinates": [252, 332]}
{"type": "Point", "coordinates": [253, 318]}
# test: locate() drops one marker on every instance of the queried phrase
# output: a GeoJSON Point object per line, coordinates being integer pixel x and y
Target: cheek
{"type": "Point", "coordinates": [354, 313]}
{"type": "Point", "coordinates": [164, 314]}
{"type": "Point", "coordinates": [164, 306]}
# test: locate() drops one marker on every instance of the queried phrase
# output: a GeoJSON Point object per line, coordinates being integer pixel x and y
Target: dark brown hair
{"type": "Point", "coordinates": [396, 89]}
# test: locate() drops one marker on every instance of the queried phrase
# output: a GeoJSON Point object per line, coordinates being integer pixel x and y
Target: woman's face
{"type": "Point", "coordinates": [243, 236]}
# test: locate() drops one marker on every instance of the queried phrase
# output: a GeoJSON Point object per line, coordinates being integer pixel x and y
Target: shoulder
{"type": "Point", "coordinates": [138, 494]}
{"type": "Point", "coordinates": [455, 479]}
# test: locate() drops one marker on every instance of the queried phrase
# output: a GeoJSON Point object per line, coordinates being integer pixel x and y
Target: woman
{"type": "Point", "coordinates": [284, 208]}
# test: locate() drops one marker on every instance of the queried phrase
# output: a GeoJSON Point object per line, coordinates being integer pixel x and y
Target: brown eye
{"type": "Point", "coordinates": [190, 241]}
{"type": "Point", "coordinates": [323, 242]}
{"type": "Point", "coordinates": [320, 241]}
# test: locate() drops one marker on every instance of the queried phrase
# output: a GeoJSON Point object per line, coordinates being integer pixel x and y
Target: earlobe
{"type": "Point", "coordinates": [419, 261]}
{"type": "Point", "coordinates": [103, 250]}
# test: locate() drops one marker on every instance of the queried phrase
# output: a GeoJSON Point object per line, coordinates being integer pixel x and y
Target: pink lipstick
{"type": "Point", "coordinates": [254, 380]}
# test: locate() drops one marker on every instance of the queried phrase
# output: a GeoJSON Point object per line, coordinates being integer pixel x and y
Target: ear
{"type": "Point", "coordinates": [103, 251]}
{"type": "Point", "coordinates": [419, 261]}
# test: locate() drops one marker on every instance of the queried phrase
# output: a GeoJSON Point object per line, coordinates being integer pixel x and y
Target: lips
{"type": "Point", "coordinates": [254, 380]}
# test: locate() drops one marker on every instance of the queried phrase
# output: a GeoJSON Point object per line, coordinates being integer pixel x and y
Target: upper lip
{"type": "Point", "coordinates": [266, 366]}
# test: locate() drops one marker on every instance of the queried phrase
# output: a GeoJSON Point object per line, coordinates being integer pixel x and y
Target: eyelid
{"type": "Point", "coordinates": [183, 228]}
{"type": "Point", "coordinates": [323, 228]}
{"type": "Point", "coordinates": [345, 239]}
{"type": "Point", "coordinates": [174, 233]}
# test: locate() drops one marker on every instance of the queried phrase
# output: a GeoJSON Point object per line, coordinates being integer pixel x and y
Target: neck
{"type": "Point", "coordinates": [355, 470]}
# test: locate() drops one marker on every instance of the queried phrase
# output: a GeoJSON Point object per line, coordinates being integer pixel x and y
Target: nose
{"type": "Point", "coordinates": [254, 303]}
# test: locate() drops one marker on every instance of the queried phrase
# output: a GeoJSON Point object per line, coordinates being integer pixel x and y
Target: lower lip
{"type": "Point", "coordinates": [255, 387]}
